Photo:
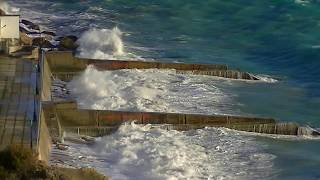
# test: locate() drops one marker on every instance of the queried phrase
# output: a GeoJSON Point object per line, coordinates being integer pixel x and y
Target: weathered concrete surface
{"type": "Point", "coordinates": [64, 66]}
{"type": "Point", "coordinates": [45, 80]}
{"type": "Point", "coordinates": [17, 103]}
{"type": "Point", "coordinates": [44, 144]}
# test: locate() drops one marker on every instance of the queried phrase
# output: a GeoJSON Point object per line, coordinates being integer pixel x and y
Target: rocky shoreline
{"type": "Point", "coordinates": [33, 38]}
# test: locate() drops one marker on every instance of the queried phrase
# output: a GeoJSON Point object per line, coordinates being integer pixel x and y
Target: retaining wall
{"type": "Point", "coordinates": [44, 88]}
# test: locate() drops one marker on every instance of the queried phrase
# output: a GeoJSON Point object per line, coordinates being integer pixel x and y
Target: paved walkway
{"type": "Point", "coordinates": [17, 102]}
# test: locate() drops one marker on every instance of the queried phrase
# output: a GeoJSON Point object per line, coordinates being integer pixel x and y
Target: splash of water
{"type": "Point", "coordinates": [116, 41]}
{"type": "Point", "coordinates": [103, 44]}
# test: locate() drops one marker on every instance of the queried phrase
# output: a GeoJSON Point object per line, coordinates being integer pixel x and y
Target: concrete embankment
{"type": "Point", "coordinates": [64, 66]}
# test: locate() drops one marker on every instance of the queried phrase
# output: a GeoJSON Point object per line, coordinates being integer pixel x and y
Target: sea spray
{"type": "Point", "coordinates": [116, 41]}
{"type": "Point", "coordinates": [101, 44]}
{"type": "Point", "coordinates": [104, 44]}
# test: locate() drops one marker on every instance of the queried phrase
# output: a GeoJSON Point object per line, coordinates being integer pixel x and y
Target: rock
{"type": "Point", "coordinates": [25, 39]}
{"type": "Point", "coordinates": [74, 38]}
{"type": "Point", "coordinates": [30, 24]}
{"type": "Point", "coordinates": [48, 33]}
{"type": "Point", "coordinates": [88, 139]}
{"type": "Point", "coordinates": [68, 43]}
{"type": "Point", "coordinates": [42, 42]}
{"type": "Point", "coordinates": [62, 147]}
{"type": "Point", "coordinates": [22, 29]}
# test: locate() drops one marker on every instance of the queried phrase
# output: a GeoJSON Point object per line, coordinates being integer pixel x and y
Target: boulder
{"type": "Point", "coordinates": [25, 39]}
{"type": "Point", "coordinates": [48, 33]}
{"type": "Point", "coordinates": [22, 29]}
{"type": "Point", "coordinates": [74, 38]}
{"type": "Point", "coordinates": [40, 41]}
{"type": "Point", "coordinates": [30, 24]}
{"type": "Point", "coordinates": [62, 147]}
{"type": "Point", "coordinates": [68, 43]}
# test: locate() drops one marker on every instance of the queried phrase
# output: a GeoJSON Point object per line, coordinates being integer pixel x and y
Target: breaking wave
{"type": "Point", "coordinates": [143, 152]}
{"type": "Point", "coordinates": [151, 90]}
{"type": "Point", "coordinates": [103, 44]}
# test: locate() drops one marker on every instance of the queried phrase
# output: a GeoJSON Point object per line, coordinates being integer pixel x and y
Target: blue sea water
{"type": "Point", "coordinates": [278, 38]}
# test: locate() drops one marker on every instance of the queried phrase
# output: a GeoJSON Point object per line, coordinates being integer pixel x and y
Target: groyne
{"type": "Point", "coordinates": [64, 66]}
{"type": "Point", "coordinates": [97, 123]}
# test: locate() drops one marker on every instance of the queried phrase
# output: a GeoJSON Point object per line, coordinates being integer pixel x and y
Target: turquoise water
{"type": "Point", "coordinates": [279, 38]}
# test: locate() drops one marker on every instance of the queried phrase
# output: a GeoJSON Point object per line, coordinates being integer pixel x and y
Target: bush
{"type": "Point", "coordinates": [15, 161]}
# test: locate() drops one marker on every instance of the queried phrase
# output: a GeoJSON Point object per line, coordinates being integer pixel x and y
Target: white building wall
{"type": "Point", "coordinates": [9, 27]}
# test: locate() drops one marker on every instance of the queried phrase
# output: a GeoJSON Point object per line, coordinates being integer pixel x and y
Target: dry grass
{"type": "Point", "coordinates": [16, 162]}
{"type": "Point", "coordinates": [20, 163]}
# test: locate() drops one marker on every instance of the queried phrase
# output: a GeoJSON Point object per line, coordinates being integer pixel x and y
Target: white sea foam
{"type": "Point", "coordinates": [302, 2]}
{"type": "Point", "coordinates": [142, 152]}
{"type": "Point", "coordinates": [103, 44]}
{"type": "Point", "coordinates": [266, 78]}
{"type": "Point", "coordinates": [150, 90]}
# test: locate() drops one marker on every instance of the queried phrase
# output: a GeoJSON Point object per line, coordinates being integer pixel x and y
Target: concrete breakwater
{"type": "Point", "coordinates": [65, 116]}
{"type": "Point", "coordinates": [64, 66]}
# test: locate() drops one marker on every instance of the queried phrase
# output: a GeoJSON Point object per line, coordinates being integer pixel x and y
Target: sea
{"type": "Point", "coordinates": [278, 40]}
